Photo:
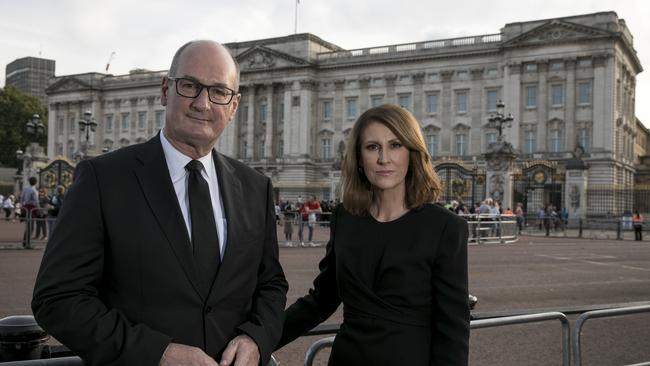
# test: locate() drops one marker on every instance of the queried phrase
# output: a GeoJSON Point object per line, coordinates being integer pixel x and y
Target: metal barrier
{"type": "Point", "coordinates": [316, 347]}
{"type": "Point", "coordinates": [491, 229]}
{"type": "Point", "coordinates": [327, 342]}
{"type": "Point", "coordinates": [577, 330]}
{"type": "Point", "coordinates": [531, 318]}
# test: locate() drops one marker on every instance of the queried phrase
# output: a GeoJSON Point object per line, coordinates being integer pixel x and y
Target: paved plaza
{"type": "Point", "coordinates": [536, 273]}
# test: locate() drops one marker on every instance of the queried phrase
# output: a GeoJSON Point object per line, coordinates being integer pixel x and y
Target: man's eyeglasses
{"type": "Point", "coordinates": [189, 88]}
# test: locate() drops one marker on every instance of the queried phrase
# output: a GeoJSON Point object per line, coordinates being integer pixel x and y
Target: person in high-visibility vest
{"type": "Point", "coordinates": [637, 222]}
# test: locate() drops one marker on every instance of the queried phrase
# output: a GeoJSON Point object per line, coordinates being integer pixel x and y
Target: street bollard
{"type": "Point", "coordinates": [580, 228]}
{"type": "Point", "coordinates": [21, 339]}
{"type": "Point", "coordinates": [619, 233]}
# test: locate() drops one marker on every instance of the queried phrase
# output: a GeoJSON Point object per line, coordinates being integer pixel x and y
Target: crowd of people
{"type": "Point", "coordinates": [303, 213]}
{"type": "Point", "coordinates": [36, 208]}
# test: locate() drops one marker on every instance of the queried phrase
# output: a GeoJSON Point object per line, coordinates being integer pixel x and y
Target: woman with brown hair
{"type": "Point", "coordinates": [396, 261]}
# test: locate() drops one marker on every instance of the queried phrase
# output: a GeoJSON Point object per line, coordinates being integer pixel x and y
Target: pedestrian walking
{"type": "Point", "coordinates": [637, 222]}
{"type": "Point", "coordinates": [8, 206]}
{"type": "Point", "coordinates": [29, 203]}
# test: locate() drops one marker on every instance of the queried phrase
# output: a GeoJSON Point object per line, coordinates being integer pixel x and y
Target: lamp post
{"type": "Point", "coordinates": [33, 153]}
{"type": "Point", "coordinates": [498, 120]}
{"type": "Point", "coordinates": [86, 125]}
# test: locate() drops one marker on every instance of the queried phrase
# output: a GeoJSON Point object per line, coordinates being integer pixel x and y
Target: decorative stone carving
{"type": "Point", "coordinates": [574, 196]}
{"type": "Point", "coordinates": [390, 79]}
{"type": "Point", "coordinates": [261, 60]}
{"type": "Point", "coordinates": [446, 75]}
{"type": "Point", "coordinates": [477, 73]}
{"type": "Point", "coordinates": [496, 187]}
{"type": "Point", "coordinates": [418, 77]}
{"type": "Point", "coordinates": [364, 81]}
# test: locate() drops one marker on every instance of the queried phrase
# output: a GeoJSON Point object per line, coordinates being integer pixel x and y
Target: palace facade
{"type": "Point", "coordinates": [568, 82]}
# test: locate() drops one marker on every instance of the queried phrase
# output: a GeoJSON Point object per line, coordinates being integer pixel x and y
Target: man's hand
{"type": "Point", "coordinates": [179, 354]}
{"type": "Point", "coordinates": [242, 350]}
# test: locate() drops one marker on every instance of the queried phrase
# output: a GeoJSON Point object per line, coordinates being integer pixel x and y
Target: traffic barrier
{"type": "Point", "coordinates": [570, 343]}
{"type": "Point", "coordinates": [577, 330]}
{"type": "Point", "coordinates": [491, 229]}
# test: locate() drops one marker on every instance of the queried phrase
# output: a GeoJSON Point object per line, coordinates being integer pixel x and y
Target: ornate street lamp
{"type": "Point", "coordinates": [498, 120]}
{"type": "Point", "coordinates": [86, 125]}
{"type": "Point", "coordinates": [29, 159]}
{"type": "Point", "coordinates": [35, 126]}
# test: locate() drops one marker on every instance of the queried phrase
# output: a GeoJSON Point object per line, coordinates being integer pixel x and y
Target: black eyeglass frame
{"type": "Point", "coordinates": [202, 86]}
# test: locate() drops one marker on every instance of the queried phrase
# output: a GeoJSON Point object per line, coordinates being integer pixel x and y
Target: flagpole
{"type": "Point", "coordinates": [295, 19]}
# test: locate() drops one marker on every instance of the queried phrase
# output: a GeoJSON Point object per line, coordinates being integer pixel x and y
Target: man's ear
{"type": "Point", "coordinates": [234, 104]}
{"type": "Point", "coordinates": [164, 88]}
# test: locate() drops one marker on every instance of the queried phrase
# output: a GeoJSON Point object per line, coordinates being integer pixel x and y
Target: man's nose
{"type": "Point", "coordinates": [202, 101]}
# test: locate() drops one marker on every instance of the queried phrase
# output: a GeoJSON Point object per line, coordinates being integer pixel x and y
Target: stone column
{"type": "Point", "coordinates": [268, 141]}
{"type": "Point", "coordinates": [250, 123]}
{"type": "Point", "coordinates": [447, 106]}
{"type": "Point", "coordinates": [604, 98]}
{"type": "Point", "coordinates": [364, 99]}
{"type": "Point", "coordinates": [542, 106]}
{"type": "Point", "coordinates": [289, 128]}
{"type": "Point", "coordinates": [418, 95]}
{"type": "Point", "coordinates": [477, 111]}
{"type": "Point", "coordinates": [52, 133]}
{"type": "Point", "coordinates": [305, 118]}
{"type": "Point", "coordinates": [570, 105]}
{"type": "Point", "coordinates": [391, 97]}
{"type": "Point", "coordinates": [338, 107]}
{"type": "Point", "coordinates": [512, 98]}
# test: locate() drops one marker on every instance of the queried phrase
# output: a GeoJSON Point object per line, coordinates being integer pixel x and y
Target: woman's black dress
{"type": "Point", "coordinates": [403, 285]}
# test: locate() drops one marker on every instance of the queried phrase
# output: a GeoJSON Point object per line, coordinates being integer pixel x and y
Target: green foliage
{"type": "Point", "coordinates": [16, 108]}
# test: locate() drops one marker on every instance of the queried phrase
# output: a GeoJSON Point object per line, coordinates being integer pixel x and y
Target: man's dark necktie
{"type": "Point", "coordinates": [205, 242]}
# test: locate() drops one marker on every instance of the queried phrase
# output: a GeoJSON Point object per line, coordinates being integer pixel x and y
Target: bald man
{"type": "Point", "coordinates": [162, 253]}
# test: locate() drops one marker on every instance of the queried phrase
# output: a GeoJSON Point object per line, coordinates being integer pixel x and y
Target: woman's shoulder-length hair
{"type": "Point", "coordinates": [422, 182]}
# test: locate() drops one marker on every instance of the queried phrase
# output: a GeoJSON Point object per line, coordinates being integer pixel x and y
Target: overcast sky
{"type": "Point", "coordinates": [81, 35]}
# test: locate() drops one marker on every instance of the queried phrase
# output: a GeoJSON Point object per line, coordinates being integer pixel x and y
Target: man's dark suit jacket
{"type": "Point", "coordinates": [117, 282]}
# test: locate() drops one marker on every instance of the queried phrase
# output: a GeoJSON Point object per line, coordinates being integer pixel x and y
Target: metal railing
{"type": "Point", "coordinates": [569, 346]}
{"type": "Point", "coordinates": [531, 318]}
{"type": "Point", "coordinates": [490, 229]}
{"type": "Point", "coordinates": [577, 330]}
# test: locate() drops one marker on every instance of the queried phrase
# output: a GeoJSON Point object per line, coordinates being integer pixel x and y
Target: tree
{"type": "Point", "coordinates": [16, 108]}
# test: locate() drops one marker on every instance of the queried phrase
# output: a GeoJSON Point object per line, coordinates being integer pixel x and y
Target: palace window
{"type": "Point", "coordinates": [531, 96]}
{"type": "Point", "coordinates": [557, 94]}
{"type": "Point", "coordinates": [108, 123]}
{"type": "Point", "coordinates": [432, 144]}
{"type": "Point", "coordinates": [327, 110]}
{"type": "Point", "coordinates": [405, 101]}
{"type": "Point", "coordinates": [376, 100]}
{"type": "Point", "coordinates": [125, 122]}
{"type": "Point", "coordinates": [530, 142]}
{"type": "Point", "coordinates": [584, 93]}
{"type": "Point", "coordinates": [142, 120]}
{"type": "Point", "coordinates": [326, 148]}
{"type": "Point", "coordinates": [461, 144]}
{"type": "Point", "coordinates": [351, 108]}
{"type": "Point", "coordinates": [159, 119]}
{"type": "Point", "coordinates": [555, 141]}
{"type": "Point", "coordinates": [583, 138]}
{"type": "Point", "coordinates": [263, 112]}
{"type": "Point", "coordinates": [432, 103]}
{"type": "Point", "coordinates": [461, 102]}
{"type": "Point", "coordinates": [491, 99]}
